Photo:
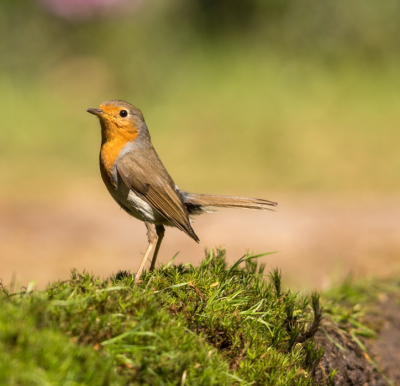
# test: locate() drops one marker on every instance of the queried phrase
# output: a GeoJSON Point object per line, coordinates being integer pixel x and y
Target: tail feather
{"type": "Point", "coordinates": [201, 202]}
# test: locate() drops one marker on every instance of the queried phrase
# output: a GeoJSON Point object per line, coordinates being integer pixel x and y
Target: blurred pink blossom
{"type": "Point", "coordinates": [84, 9]}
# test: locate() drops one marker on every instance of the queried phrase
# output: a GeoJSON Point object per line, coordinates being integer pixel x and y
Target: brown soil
{"type": "Point", "coordinates": [319, 240]}
{"type": "Point", "coordinates": [351, 363]}
{"type": "Point", "coordinates": [387, 347]}
{"type": "Point", "coordinates": [354, 366]}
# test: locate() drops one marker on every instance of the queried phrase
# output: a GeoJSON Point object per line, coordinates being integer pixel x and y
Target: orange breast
{"type": "Point", "coordinates": [109, 153]}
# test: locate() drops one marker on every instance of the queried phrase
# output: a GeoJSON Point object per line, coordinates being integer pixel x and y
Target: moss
{"type": "Point", "coordinates": [210, 325]}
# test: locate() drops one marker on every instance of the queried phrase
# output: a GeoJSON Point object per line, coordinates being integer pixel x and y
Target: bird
{"type": "Point", "coordinates": [141, 185]}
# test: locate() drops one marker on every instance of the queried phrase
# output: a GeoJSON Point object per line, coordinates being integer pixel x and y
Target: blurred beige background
{"type": "Point", "coordinates": [296, 103]}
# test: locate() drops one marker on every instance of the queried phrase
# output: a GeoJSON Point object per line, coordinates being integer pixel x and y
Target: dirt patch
{"type": "Point", "coordinates": [387, 347]}
{"type": "Point", "coordinates": [352, 364]}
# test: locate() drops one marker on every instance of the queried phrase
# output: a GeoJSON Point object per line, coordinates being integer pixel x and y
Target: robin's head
{"type": "Point", "coordinates": [119, 119]}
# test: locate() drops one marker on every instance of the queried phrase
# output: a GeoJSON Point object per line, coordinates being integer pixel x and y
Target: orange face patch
{"type": "Point", "coordinates": [112, 124]}
{"type": "Point", "coordinates": [116, 132]}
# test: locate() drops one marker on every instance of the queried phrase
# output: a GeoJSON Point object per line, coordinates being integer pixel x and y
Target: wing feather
{"type": "Point", "coordinates": [148, 178]}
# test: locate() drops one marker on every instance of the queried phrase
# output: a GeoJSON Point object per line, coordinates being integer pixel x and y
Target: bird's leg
{"type": "Point", "coordinates": [152, 236]}
{"type": "Point", "coordinates": [160, 233]}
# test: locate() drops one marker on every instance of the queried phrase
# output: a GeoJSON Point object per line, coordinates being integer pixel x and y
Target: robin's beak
{"type": "Point", "coordinates": [97, 112]}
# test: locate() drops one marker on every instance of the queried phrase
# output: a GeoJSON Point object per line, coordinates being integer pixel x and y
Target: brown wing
{"type": "Point", "coordinates": [145, 174]}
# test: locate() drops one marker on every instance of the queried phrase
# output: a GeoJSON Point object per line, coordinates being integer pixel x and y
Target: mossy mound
{"type": "Point", "coordinates": [209, 325]}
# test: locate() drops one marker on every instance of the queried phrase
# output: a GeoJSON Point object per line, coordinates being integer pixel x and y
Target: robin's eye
{"type": "Point", "coordinates": [123, 113]}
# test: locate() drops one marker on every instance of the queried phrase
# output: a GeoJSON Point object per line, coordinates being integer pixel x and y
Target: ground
{"type": "Point", "coordinates": [351, 363]}
{"type": "Point", "coordinates": [319, 240]}
{"type": "Point", "coordinates": [371, 356]}
{"type": "Point", "coordinates": [387, 346]}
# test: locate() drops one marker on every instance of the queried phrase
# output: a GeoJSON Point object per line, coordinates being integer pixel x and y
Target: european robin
{"type": "Point", "coordinates": [138, 181]}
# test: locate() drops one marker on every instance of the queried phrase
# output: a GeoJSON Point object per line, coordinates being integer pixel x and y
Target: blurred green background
{"type": "Point", "coordinates": [239, 96]}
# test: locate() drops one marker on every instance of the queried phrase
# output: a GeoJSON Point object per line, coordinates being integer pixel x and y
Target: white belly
{"type": "Point", "coordinates": [143, 209]}
{"type": "Point", "coordinates": [137, 207]}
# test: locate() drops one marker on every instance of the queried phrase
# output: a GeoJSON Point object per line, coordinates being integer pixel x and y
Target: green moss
{"type": "Point", "coordinates": [35, 352]}
{"type": "Point", "coordinates": [210, 325]}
